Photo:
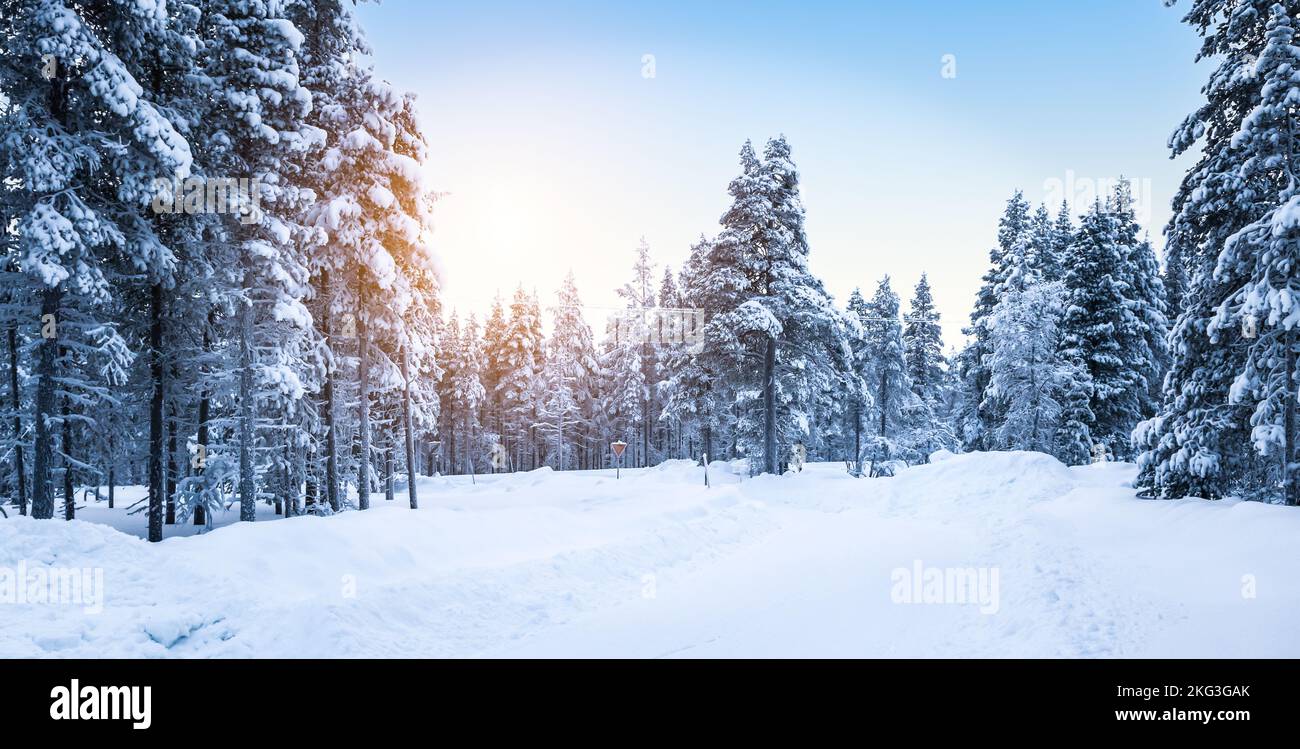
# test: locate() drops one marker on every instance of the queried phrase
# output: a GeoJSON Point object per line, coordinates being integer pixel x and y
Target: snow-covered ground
{"type": "Point", "coordinates": [658, 565]}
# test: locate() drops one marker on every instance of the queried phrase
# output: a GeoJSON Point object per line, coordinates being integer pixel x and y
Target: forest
{"type": "Point", "coordinates": [219, 281]}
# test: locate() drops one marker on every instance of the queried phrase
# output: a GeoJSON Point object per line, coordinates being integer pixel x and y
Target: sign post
{"type": "Point", "coordinates": [706, 470]}
{"type": "Point", "coordinates": [618, 447]}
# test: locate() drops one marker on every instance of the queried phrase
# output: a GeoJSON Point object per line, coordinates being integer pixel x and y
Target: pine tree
{"type": "Point", "coordinates": [1026, 368]}
{"type": "Point", "coordinates": [1265, 255]}
{"type": "Point", "coordinates": [789, 323]}
{"type": "Point", "coordinates": [1099, 328]}
{"type": "Point", "coordinates": [640, 297]}
{"type": "Point", "coordinates": [523, 366]}
{"type": "Point", "coordinates": [1062, 236]}
{"type": "Point", "coordinates": [980, 413]}
{"type": "Point", "coordinates": [1199, 443]}
{"type": "Point", "coordinates": [858, 398]}
{"type": "Point", "coordinates": [926, 370]}
{"type": "Point", "coordinates": [887, 375]}
{"type": "Point", "coordinates": [496, 366]}
{"type": "Point", "coordinates": [622, 386]}
{"type": "Point", "coordinates": [670, 329]}
{"type": "Point", "coordinates": [696, 390]}
{"type": "Point", "coordinates": [1073, 438]}
{"type": "Point", "coordinates": [468, 396]}
{"type": "Point", "coordinates": [923, 342]}
{"type": "Point", "coordinates": [568, 376]}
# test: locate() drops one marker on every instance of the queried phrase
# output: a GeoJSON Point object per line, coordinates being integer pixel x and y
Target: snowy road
{"type": "Point", "coordinates": [656, 565]}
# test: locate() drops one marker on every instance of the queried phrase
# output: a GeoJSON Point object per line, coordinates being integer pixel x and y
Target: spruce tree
{"type": "Point", "coordinates": [1098, 326]}
{"type": "Point", "coordinates": [1199, 443]}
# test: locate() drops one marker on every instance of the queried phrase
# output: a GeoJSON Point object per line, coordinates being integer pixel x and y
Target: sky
{"type": "Point", "coordinates": [563, 132]}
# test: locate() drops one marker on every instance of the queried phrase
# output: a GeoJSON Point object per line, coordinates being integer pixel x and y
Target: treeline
{"type": "Point", "coordinates": [1066, 352]}
{"type": "Point", "coordinates": [215, 275]}
{"type": "Point", "coordinates": [740, 353]}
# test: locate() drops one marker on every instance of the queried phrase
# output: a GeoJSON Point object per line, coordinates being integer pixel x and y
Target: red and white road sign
{"type": "Point", "coordinates": [619, 447]}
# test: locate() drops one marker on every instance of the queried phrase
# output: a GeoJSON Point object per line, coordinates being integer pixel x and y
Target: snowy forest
{"type": "Point", "coordinates": [348, 329]}
{"type": "Point", "coordinates": [220, 283]}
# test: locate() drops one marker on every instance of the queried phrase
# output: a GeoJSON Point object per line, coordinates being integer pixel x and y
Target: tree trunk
{"type": "Point", "coordinates": [156, 414]}
{"type": "Point", "coordinates": [205, 411]}
{"type": "Point", "coordinates": [111, 484]}
{"type": "Point", "coordinates": [18, 419]}
{"type": "Point", "coordinates": [884, 405]}
{"type": "Point", "coordinates": [410, 438]}
{"type": "Point", "coordinates": [363, 396]}
{"type": "Point", "coordinates": [389, 449]}
{"type": "Point", "coordinates": [311, 487]}
{"type": "Point", "coordinates": [172, 468]}
{"type": "Point", "coordinates": [47, 364]}
{"type": "Point", "coordinates": [857, 440]}
{"type": "Point", "coordinates": [299, 478]}
{"type": "Point", "coordinates": [769, 407]}
{"type": "Point", "coordinates": [247, 481]}
{"type": "Point", "coordinates": [69, 478]}
{"type": "Point", "coordinates": [331, 438]}
{"type": "Point", "coordinates": [1288, 421]}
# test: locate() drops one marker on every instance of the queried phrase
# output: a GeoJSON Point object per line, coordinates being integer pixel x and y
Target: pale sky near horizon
{"type": "Point", "coordinates": [557, 151]}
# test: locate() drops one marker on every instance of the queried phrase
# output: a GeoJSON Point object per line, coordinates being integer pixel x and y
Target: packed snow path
{"type": "Point", "coordinates": [656, 565]}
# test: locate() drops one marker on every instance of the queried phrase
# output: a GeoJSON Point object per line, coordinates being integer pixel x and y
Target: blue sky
{"type": "Point", "coordinates": [559, 153]}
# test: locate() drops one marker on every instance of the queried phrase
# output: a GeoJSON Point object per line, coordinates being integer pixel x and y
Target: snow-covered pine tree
{"type": "Point", "coordinates": [332, 40]}
{"type": "Point", "coordinates": [1099, 327]}
{"type": "Point", "coordinates": [926, 370]}
{"type": "Point", "coordinates": [1199, 444]}
{"type": "Point", "coordinates": [257, 120]}
{"type": "Point", "coordinates": [887, 379]}
{"type": "Point", "coordinates": [496, 365]}
{"type": "Point", "coordinates": [1265, 253]}
{"type": "Point", "coordinates": [1063, 230]}
{"type": "Point", "coordinates": [670, 331]}
{"type": "Point", "coordinates": [1175, 280]}
{"type": "Point", "coordinates": [468, 397]}
{"type": "Point", "coordinates": [1047, 257]}
{"type": "Point", "coordinates": [449, 416]}
{"type": "Point", "coordinates": [980, 414]}
{"type": "Point", "coordinates": [639, 293]}
{"type": "Point", "coordinates": [1026, 369]}
{"type": "Point", "coordinates": [373, 214]}
{"type": "Point", "coordinates": [568, 375]}
{"type": "Point", "coordinates": [622, 387]}
{"type": "Point", "coordinates": [1144, 344]}
{"type": "Point", "coordinates": [788, 326]}
{"type": "Point", "coordinates": [698, 390]}
{"type": "Point", "coordinates": [1073, 443]}
{"type": "Point", "coordinates": [1149, 297]}
{"type": "Point", "coordinates": [858, 398]}
{"type": "Point", "coordinates": [523, 360]}
{"type": "Point", "coordinates": [923, 341]}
